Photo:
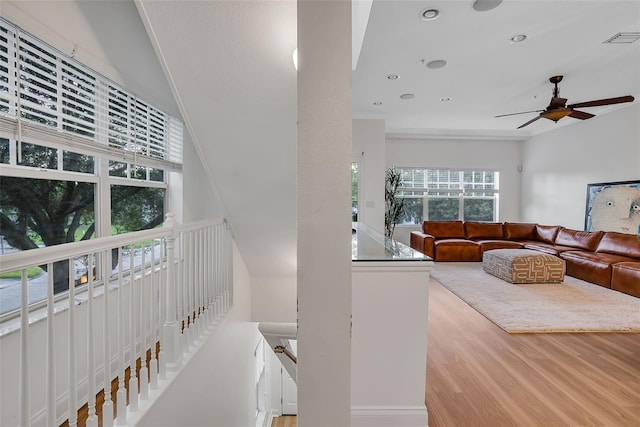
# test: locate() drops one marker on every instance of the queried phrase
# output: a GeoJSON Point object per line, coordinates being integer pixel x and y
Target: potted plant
{"type": "Point", "coordinates": [393, 204]}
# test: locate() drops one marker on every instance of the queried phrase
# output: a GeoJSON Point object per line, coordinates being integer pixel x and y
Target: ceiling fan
{"type": "Point", "coordinates": [558, 109]}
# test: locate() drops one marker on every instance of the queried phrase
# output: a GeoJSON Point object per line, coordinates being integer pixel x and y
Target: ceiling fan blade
{"type": "Point", "coordinates": [598, 102]}
{"type": "Point", "coordinates": [523, 112]}
{"type": "Point", "coordinates": [581, 115]}
{"type": "Point", "coordinates": [529, 122]}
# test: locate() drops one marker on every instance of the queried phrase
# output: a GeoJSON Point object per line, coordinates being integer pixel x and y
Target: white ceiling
{"type": "Point", "coordinates": [486, 75]}
{"type": "Point", "coordinates": [229, 65]}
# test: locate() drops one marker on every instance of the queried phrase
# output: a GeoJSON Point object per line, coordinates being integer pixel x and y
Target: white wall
{"type": "Point", "coordinates": [274, 299]}
{"type": "Point", "coordinates": [502, 156]}
{"type": "Point", "coordinates": [217, 387]}
{"type": "Point", "coordinates": [559, 164]}
{"type": "Point", "coordinates": [368, 148]}
{"type": "Point", "coordinates": [201, 202]}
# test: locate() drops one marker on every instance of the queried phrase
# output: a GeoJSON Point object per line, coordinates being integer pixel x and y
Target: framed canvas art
{"type": "Point", "coordinates": [613, 206]}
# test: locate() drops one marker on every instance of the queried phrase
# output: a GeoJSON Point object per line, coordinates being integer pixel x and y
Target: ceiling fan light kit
{"type": "Point", "coordinates": [558, 108]}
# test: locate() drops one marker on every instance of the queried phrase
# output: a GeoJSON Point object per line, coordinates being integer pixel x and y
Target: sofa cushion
{"type": "Point", "coordinates": [488, 245]}
{"type": "Point", "coordinates": [483, 230]}
{"type": "Point", "coordinates": [625, 277]}
{"type": "Point", "coordinates": [547, 233]}
{"type": "Point", "coordinates": [620, 244]}
{"type": "Point", "coordinates": [457, 250]}
{"type": "Point", "coordinates": [591, 266]}
{"type": "Point", "coordinates": [579, 239]}
{"type": "Point", "coordinates": [586, 266]}
{"type": "Point", "coordinates": [547, 248]}
{"type": "Point", "coordinates": [444, 229]}
{"type": "Point", "coordinates": [519, 231]}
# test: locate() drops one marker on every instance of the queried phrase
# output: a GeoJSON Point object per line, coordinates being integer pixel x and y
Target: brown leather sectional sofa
{"type": "Point", "coordinates": [607, 259]}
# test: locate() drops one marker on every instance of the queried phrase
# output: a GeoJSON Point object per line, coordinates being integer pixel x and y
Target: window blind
{"type": "Point", "coordinates": [66, 103]}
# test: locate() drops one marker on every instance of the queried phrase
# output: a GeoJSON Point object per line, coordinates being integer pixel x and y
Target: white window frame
{"type": "Point", "coordinates": [454, 193]}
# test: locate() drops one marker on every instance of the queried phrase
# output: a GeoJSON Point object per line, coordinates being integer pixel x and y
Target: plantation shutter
{"type": "Point", "coordinates": [61, 103]}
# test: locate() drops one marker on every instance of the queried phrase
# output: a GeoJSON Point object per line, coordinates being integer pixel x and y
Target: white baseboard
{"type": "Point", "coordinates": [387, 416]}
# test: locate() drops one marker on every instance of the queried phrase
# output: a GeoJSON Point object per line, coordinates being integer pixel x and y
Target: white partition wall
{"type": "Point", "coordinates": [390, 303]}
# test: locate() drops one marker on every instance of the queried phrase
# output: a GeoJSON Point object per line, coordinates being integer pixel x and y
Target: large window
{"type": "Point", "coordinates": [447, 194]}
{"type": "Point", "coordinates": [72, 142]}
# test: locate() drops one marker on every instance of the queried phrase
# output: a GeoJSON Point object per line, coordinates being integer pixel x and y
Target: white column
{"type": "Point", "coordinates": [324, 212]}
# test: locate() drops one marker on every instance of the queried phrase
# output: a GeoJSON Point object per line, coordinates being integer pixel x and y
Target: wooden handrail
{"type": "Point", "coordinates": [283, 349]}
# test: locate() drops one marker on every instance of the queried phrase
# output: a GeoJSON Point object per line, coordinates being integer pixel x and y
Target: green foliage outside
{"type": "Point", "coordinates": [31, 272]}
{"type": "Point", "coordinates": [39, 212]}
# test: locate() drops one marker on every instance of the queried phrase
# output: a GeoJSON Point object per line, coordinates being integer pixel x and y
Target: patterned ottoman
{"type": "Point", "coordinates": [523, 266]}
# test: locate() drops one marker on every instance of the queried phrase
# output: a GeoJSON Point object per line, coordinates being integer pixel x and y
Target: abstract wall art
{"type": "Point", "coordinates": [613, 206]}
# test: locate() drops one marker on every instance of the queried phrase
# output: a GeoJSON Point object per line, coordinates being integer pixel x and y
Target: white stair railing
{"type": "Point", "coordinates": [168, 289]}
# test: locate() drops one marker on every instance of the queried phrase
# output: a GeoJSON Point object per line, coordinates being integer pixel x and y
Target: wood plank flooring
{"type": "Point", "coordinates": [285, 421]}
{"type": "Point", "coordinates": [478, 375]}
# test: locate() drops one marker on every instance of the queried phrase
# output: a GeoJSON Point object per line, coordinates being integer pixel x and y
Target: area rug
{"type": "Point", "coordinates": [571, 306]}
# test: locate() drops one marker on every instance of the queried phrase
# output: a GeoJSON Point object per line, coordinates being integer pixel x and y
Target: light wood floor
{"type": "Point", "coordinates": [285, 421]}
{"type": "Point", "coordinates": [478, 375]}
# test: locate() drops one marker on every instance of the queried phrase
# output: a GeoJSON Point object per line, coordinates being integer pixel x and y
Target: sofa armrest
{"type": "Point", "coordinates": [422, 242]}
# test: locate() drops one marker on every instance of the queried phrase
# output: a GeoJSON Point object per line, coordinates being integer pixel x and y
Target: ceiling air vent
{"type": "Point", "coordinates": [623, 38]}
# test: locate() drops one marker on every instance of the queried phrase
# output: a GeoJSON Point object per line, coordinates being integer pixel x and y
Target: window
{"type": "Point", "coordinates": [447, 194]}
{"type": "Point", "coordinates": [354, 191]}
{"type": "Point", "coordinates": [67, 136]}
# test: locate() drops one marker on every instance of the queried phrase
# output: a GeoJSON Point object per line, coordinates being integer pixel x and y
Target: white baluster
{"type": "Point", "coordinates": [162, 289]}
{"type": "Point", "coordinates": [223, 260]}
{"type": "Point", "coordinates": [229, 269]}
{"type": "Point", "coordinates": [73, 386]}
{"type": "Point", "coordinates": [153, 308]}
{"type": "Point", "coordinates": [221, 271]}
{"type": "Point", "coordinates": [107, 406]}
{"type": "Point", "coordinates": [144, 371]}
{"type": "Point", "coordinates": [51, 359]}
{"type": "Point", "coordinates": [24, 386]}
{"type": "Point", "coordinates": [196, 282]}
{"type": "Point", "coordinates": [121, 395]}
{"type": "Point", "coordinates": [184, 277]}
{"type": "Point", "coordinates": [189, 264]}
{"type": "Point", "coordinates": [210, 270]}
{"type": "Point", "coordinates": [173, 309]}
{"type": "Point", "coordinates": [133, 312]}
{"type": "Point", "coordinates": [92, 419]}
{"type": "Point", "coordinates": [216, 277]}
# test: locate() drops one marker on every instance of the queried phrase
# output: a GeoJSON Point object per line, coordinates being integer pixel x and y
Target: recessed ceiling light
{"type": "Point", "coordinates": [393, 77]}
{"type": "Point", "coordinates": [429, 14]}
{"type": "Point", "coordinates": [518, 38]}
{"type": "Point", "coordinates": [435, 64]}
{"type": "Point", "coordinates": [407, 96]}
{"type": "Point", "coordinates": [377, 103]}
{"type": "Point", "coordinates": [484, 5]}
{"type": "Point", "coordinates": [446, 99]}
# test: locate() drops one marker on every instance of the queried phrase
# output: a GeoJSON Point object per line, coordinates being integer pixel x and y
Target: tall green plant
{"type": "Point", "coordinates": [393, 204]}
